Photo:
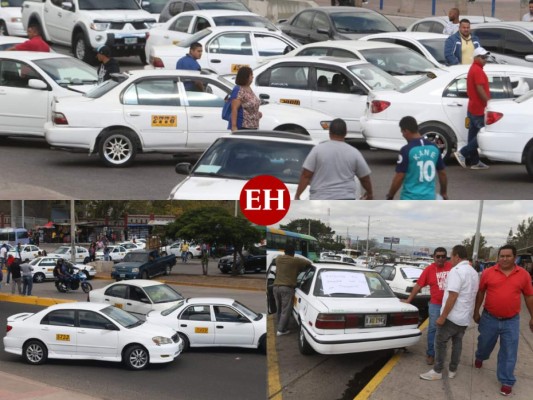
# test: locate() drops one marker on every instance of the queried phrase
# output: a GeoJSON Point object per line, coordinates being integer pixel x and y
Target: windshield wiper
{"type": "Point", "coordinates": [218, 175]}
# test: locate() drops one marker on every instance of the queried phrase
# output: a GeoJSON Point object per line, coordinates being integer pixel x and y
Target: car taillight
{"type": "Point", "coordinates": [59, 118]}
{"type": "Point", "coordinates": [157, 62]}
{"type": "Point", "coordinates": [398, 319]}
{"type": "Point", "coordinates": [8, 328]}
{"type": "Point", "coordinates": [337, 321]}
{"type": "Point", "coordinates": [378, 106]}
{"type": "Point", "coordinates": [492, 117]}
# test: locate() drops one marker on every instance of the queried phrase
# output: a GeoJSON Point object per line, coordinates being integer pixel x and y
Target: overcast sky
{"type": "Point", "coordinates": [429, 223]}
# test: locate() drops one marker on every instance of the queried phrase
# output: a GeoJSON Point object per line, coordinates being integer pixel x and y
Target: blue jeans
{"type": "Point", "coordinates": [470, 150]}
{"type": "Point", "coordinates": [27, 285]}
{"type": "Point", "coordinates": [434, 313]}
{"type": "Point", "coordinates": [508, 330]}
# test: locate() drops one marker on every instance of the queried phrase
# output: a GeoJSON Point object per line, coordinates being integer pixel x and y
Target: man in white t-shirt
{"type": "Point", "coordinates": [331, 167]}
{"type": "Point", "coordinates": [457, 308]}
{"type": "Point", "coordinates": [528, 17]}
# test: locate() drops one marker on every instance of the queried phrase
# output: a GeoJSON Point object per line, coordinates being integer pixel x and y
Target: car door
{"type": "Point", "coordinates": [118, 253]}
{"type": "Point", "coordinates": [231, 327]}
{"type": "Point", "coordinates": [269, 45]}
{"type": "Point", "coordinates": [24, 109]}
{"type": "Point", "coordinates": [137, 301]}
{"type": "Point", "coordinates": [196, 323]}
{"type": "Point", "coordinates": [226, 52]}
{"type": "Point", "coordinates": [46, 266]}
{"type": "Point", "coordinates": [52, 18]}
{"type": "Point", "coordinates": [300, 27]}
{"type": "Point", "coordinates": [321, 28]}
{"type": "Point", "coordinates": [58, 331]}
{"type": "Point", "coordinates": [154, 108]}
{"type": "Point", "coordinates": [94, 338]}
{"type": "Point", "coordinates": [303, 294]}
{"type": "Point", "coordinates": [116, 295]}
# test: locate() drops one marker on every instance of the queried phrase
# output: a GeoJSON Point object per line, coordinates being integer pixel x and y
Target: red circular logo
{"type": "Point", "coordinates": [265, 200]}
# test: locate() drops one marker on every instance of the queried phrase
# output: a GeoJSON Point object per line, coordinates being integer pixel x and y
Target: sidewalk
{"type": "Point", "coordinates": [400, 377]}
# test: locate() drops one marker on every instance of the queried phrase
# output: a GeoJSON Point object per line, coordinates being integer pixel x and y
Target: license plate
{"type": "Point", "coordinates": [122, 275]}
{"type": "Point", "coordinates": [130, 40]}
{"type": "Point", "coordinates": [375, 320]}
{"type": "Point", "coordinates": [467, 123]}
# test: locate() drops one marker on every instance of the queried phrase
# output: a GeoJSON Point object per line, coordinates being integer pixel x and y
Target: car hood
{"type": "Point", "coordinates": [149, 329]}
{"type": "Point", "coordinates": [169, 51]}
{"type": "Point", "coordinates": [128, 264]}
{"type": "Point", "coordinates": [117, 15]}
{"type": "Point", "coordinates": [364, 305]}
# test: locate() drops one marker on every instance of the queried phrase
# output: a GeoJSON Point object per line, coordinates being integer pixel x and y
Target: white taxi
{"type": "Point", "coordinates": [11, 18]}
{"type": "Point", "coordinates": [137, 296]}
{"type": "Point", "coordinates": [226, 48]}
{"type": "Point", "coordinates": [438, 102]}
{"type": "Point", "coordinates": [28, 251]}
{"type": "Point", "coordinates": [507, 135]}
{"type": "Point", "coordinates": [90, 331]}
{"type": "Point", "coordinates": [334, 85]}
{"type": "Point", "coordinates": [116, 253]}
{"type": "Point", "coordinates": [81, 256]}
{"type": "Point", "coordinates": [160, 111]}
{"type": "Point", "coordinates": [43, 268]}
{"type": "Point", "coordinates": [214, 322]}
{"type": "Point", "coordinates": [402, 279]}
{"type": "Point", "coordinates": [345, 309]}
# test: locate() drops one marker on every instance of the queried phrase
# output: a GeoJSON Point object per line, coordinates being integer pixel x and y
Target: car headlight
{"type": "Point", "coordinates": [324, 124]}
{"type": "Point", "coordinates": [135, 270]}
{"type": "Point", "coordinates": [149, 24]}
{"type": "Point", "coordinates": [100, 26]}
{"type": "Point", "coordinates": [159, 340]}
{"type": "Point", "coordinates": [16, 19]}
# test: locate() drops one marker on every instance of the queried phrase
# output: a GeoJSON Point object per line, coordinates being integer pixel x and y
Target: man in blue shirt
{"type": "Point", "coordinates": [418, 164]}
{"type": "Point", "coordinates": [188, 61]}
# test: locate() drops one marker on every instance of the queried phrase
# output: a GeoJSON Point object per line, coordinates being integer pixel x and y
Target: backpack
{"type": "Point", "coordinates": [226, 110]}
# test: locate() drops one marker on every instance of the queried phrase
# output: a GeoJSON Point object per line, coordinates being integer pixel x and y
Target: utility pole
{"type": "Point", "coordinates": [476, 240]}
{"type": "Point", "coordinates": [72, 233]}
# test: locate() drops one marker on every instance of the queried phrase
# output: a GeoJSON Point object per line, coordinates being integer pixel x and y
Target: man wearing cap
{"type": "Point", "coordinates": [459, 47]}
{"type": "Point", "coordinates": [477, 89]}
{"type": "Point", "coordinates": [108, 65]}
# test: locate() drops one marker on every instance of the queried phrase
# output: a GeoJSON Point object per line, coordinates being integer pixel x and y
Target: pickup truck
{"type": "Point", "coordinates": [85, 25]}
{"type": "Point", "coordinates": [143, 264]}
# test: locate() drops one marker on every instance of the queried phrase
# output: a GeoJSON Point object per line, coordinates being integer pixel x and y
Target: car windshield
{"type": "Point", "coordinates": [170, 310]}
{"type": "Point", "coordinates": [374, 77]}
{"type": "Point", "coordinates": [109, 5]}
{"type": "Point", "coordinates": [67, 71]}
{"type": "Point", "coordinates": [346, 283]}
{"type": "Point", "coordinates": [222, 5]}
{"type": "Point", "coordinates": [436, 48]}
{"type": "Point", "coordinates": [350, 22]}
{"type": "Point", "coordinates": [244, 20]}
{"type": "Point", "coordinates": [155, 6]}
{"type": "Point", "coordinates": [12, 3]}
{"type": "Point", "coordinates": [398, 61]}
{"type": "Point", "coordinates": [245, 159]}
{"type": "Point", "coordinates": [162, 294]}
{"type": "Point", "coordinates": [102, 89]}
{"type": "Point", "coordinates": [62, 250]}
{"type": "Point", "coordinates": [246, 311]}
{"type": "Point", "coordinates": [122, 317]}
{"type": "Point", "coordinates": [194, 38]}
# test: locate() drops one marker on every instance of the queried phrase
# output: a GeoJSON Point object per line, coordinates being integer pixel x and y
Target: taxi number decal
{"type": "Point", "coordinates": [467, 123]}
{"type": "Point", "coordinates": [294, 102]}
{"type": "Point", "coordinates": [235, 67]}
{"type": "Point", "coordinates": [118, 305]}
{"type": "Point", "coordinates": [165, 120]}
{"type": "Point", "coordinates": [50, 269]}
{"type": "Point", "coordinates": [175, 42]}
{"type": "Point", "coordinates": [201, 330]}
{"type": "Point", "coordinates": [64, 338]}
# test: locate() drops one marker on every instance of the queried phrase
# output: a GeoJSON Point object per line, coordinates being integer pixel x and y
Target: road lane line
{"type": "Point", "coordinates": [274, 384]}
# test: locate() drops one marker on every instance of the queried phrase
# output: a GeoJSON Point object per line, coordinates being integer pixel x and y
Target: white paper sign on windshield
{"type": "Point", "coordinates": [344, 282]}
{"type": "Point", "coordinates": [412, 273]}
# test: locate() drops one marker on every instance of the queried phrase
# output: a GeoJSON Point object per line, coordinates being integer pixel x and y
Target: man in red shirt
{"type": "Point", "coordinates": [34, 43]}
{"type": "Point", "coordinates": [500, 286]}
{"type": "Point", "coordinates": [477, 89]}
{"type": "Point", "coordinates": [434, 275]}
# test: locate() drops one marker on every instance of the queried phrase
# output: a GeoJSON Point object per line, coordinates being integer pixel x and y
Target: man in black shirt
{"type": "Point", "coordinates": [108, 65]}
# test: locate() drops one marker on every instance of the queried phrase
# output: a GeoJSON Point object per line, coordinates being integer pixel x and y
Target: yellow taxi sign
{"type": "Point", "coordinates": [62, 337]}
{"type": "Point", "coordinates": [164, 120]}
{"type": "Point", "coordinates": [294, 102]}
{"type": "Point", "coordinates": [175, 42]}
{"type": "Point", "coordinates": [201, 330]}
{"type": "Point", "coordinates": [235, 67]}
{"type": "Point", "coordinates": [118, 305]}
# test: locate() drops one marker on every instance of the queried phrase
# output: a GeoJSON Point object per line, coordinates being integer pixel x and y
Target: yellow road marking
{"type": "Point", "coordinates": [274, 384]}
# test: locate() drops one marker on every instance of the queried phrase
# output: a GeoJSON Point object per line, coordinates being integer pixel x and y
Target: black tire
{"type": "Point", "coordinates": [3, 29]}
{"type": "Point", "coordinates": [168, 270]}
{"type": "Point", "coordinates": [87, 274]}
{"type": "Point", "coordinates": [39, 277]}
{"type": "Point", "coordinates": [144, 275]}
{"type": "Point", "coordinates": [117, 149]}
{"type": "Point", "coordinates": [35, 352]}
{"type": "Point", "coordinates": [61, 288]}
{"type": "Point", "coordinates": [303, 345]}
{"type": "Point", "coordinates": [136, 357]}
{"type": "Point", "coordinates": [86, 287]}
{"type": "Point", "coordinates": [442, 136]}
{"type": "Point", "coordinates": [86, 260]}
{"type": "Point", "coordinates": [528, 160]}
{"type": "Point", "coordinates": [82, 50]}
{"type": "Point", "coordinates": [186, 343]}
{"type": "Point", "coordinates": [262, 347]}
{"type": "Point", "coordinates": [163, 253]}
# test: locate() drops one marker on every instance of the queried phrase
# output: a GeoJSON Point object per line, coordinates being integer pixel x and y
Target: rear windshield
{"type": "Point", "coordinates": [349, 22]}
{"type": "Point", "coordinates": [244, 20]}
{"type": "Point", "coordinates": [194, 38]}
{"type": "Point", "coordinates": [222, 5]}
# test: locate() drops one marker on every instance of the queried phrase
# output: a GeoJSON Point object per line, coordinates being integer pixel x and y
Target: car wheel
{"type": "Point", "coordinates": [294, 129]}
{"type": "Point", "coordinates": [136, 357]}
{"type": "Point", "coordinates": [87, 274]}
{"type": "Point", "coordinates": [82, 50]}
{"type": "Point", "coordinates": [39, 277]}
{"type": "Point", "coordinates": [303, 345]}
{"type": "Point", "coordinates": [86, 287]}
{"type": "Point", "coordinates": [186, 343]}
{"type": "Point", "coordinates": [144, 275]}
{"type": "Point", "coordinates": [529, 161]}
{"type": "Point", "coordinates": [168, 270]}
{"type": "Point", "coordinates": [442, 136]}
{"type": "Point", "coordinates": [117, 149]}
{"type": "Point", "coordinates": [3, 29]}
{"type": "Point", "coordinates": [35, 352]}
{"type": "Point", "coordinates": [86, 260]}
{"type": "Point", "coordinates": [262, 344]}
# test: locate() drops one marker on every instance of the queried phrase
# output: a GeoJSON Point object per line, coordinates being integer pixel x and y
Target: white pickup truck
{"type": "Point", "coordinates": [85, 25]}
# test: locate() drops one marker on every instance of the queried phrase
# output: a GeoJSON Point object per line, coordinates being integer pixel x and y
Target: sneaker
{"type": "Point", "coordinates": [451, 374]}
{"type": "Point", "coordinates": [431, 376]}
{"type": "Point", "coordinates": [479, 165]}
{"type": "Point", "coordinates": [279, 333]}
{"type": "Point", "coordinates": [430, 360]}
{"type": "Point", "coordinates": [460, 159]}
{"type": "Point", "coordinates": [478, 363]}
{"type": "Point", "coordinates": [506, 390]}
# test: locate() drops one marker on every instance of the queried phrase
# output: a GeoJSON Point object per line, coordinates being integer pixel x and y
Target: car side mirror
{"type": "Point", "coordinates": [402, 28]}
{"type": "Point", "coordinates": [264, 96]}
{"type": "Point", "coordinates": [145, 4]}
{"type": "Point", "coordinates": [144, 300]}
{"type": "Point", "coordinates": [529, 58]}
{"type": "Point", "coordinates": [183, 168]}
{"type": "Point", "coordinates": [37, 84]}
{"type": "Point", "coordinates": [111, 327]}
{"type": "Point", "coordinates": [354, 89]}
{"type": "Point", "coordinates": [67, 5]}
{"type": "Point", "coordinates": [324, 31]}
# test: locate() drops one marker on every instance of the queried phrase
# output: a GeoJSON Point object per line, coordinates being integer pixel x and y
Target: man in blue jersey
{"type": "Point", "coordinates": [418, 165]}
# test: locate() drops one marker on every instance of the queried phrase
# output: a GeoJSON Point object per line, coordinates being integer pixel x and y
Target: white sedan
{"type": "Point", "coordinates": [11, 18]}
{"type": "Point", "coordinates": [31, 80]}
{"type": "Point", "coordinates": [214, 322]}
{"type": "Point", "coordinates": [156, 111]}
{"type": "Point", "coordinates": [81, 256]}
{"type": "Point", "coordinates": [438, 102]}
{"type": "Point", "coordinates": [116, 253]}
{"type": "Point", "coordinates": [437, 23]}
{"type": "Point", "coordinates": [137, 296]}
{"type": "Point", "coordinates": [345, 309]}
{"type": "Point", "coordinates": [28, 251]}
{"type": "Point", "coordinates": [185, 24]}
{"type": "Point", "coordinates": [402, 279]}
{"type": "Point", "coordinates": [130, 246]}
{"type": "Point", "coordinates": [507, 135]}
{"type": "Point", "coordinates": [43, 268]}
{"type": "Point", "coordinates": [90, 331]}
{"type": "Point", "coordinates": [226, 48]}
{"type": "Point", "coordinates": [336, 86]}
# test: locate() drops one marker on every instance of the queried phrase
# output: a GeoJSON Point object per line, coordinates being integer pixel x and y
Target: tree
{"type": "Point", "coordinates": [314, 227]}
{"type": "Point", "coordinates": [483, 252]}
{"type": "Point", "coordinates": [522, 236]}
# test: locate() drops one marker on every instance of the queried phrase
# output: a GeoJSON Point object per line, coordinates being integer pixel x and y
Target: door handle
{"type": "Point", "coordinates": [45, 329]}
{"type": "Point", "coordinates": [299, 300]}
{"type": "Point", "coordinates": [82, 332]}
{"type": "Point", "coordinates": [216, 61]}
{"type": "Point", "coordinates": [106, 299]}
{"type": "Point", "coordinates": [129, 304]}
{"type": "Point", "coordinates": [183, 326]}
{"type": "Point", "coordinates": [197, 116]}
{"type": "Point", "coordinates": [166, 36]}
{"type": "Point", "coordinates": [455, 105]}
{"type": "Point", "coordinates": [322, 101]}
{"type": "Point", "coordinates": [134, 114]}
{"type": "Point", "coordinates": [220, 326]}
{"type": "Point", "coordinates": [46, 10]}
{"type": "Point", "coordinates": [59, 14]}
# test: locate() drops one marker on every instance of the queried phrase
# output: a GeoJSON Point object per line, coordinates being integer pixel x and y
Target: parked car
{"type": "Point", "coordinates": [437, 23]}
{"type": "Point", "coordinates": [116, 253]}
{"type": "Point", "coordinates": [81, 256]}
{"type": "Point", "coordinates": [174, 7]}
{"type": "Point", "coordinates": [339, 258]}
{"type": "Point", "coordinates": [130, 246]}
{"type": "Point", "coordinates": [55, 333]}
{"type": "Point", "coordinates": [317, 24]}
{"type": "Point", "coordinates": [9, 41]}
{"type": "Point", "coordinates": [195, 250]}
{"type": "Point", "coordinates": [254, 260]}
{"type": "Point", "coordinates": [137, 296]}
{"type": "Point", "coordinates": [43, 268]}
{"type": "Point", "coordinates": [142, 264]}
{"type": "Point", "coordinates": [11, 18]}
{"type": "Point", "coordinates": [344, 309]}
{"type": "Point", "coordinates": [214, 322]}
{"type": "Point", "coordinates": [28, 251]}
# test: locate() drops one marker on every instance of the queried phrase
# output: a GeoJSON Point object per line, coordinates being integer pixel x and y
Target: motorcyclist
{"type": "Point", "coordinates": [61, 272]}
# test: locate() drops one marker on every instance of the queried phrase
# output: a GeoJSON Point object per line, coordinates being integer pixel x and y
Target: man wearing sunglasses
{"type": "Point", "coordinates": [434, 276]}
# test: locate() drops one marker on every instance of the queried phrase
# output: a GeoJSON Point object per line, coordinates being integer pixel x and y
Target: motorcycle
{"type": "Point", "coordinates": [73, 283]}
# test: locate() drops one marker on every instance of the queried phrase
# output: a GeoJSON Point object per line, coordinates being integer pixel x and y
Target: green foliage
{"type": "Point", "coordinates": [483, 252]}
{"type": "Point", "coordinates": [522, 238]}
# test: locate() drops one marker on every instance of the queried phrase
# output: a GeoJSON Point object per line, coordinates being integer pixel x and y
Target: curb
{"type": "Point", "coordinates": [33, 300]}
